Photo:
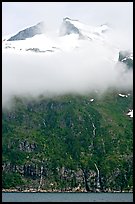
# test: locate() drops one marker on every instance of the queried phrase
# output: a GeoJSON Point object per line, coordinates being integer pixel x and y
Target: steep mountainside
{"type": "Point", "coordinates": [69, 142]}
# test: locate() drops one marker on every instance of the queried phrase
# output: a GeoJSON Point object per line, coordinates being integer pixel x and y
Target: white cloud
{"type": "Point", "coordinates": [79, 71]}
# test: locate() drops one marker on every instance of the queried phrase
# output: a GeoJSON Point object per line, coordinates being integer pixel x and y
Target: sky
{"type": "Point", "coordinates": [76, 71]}
{"type": "Point", "coordinates": [18, 15]}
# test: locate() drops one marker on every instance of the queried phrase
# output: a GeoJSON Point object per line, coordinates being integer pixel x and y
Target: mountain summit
{"type": "Point", "coordinates": [29, 32]}
{"type": "Point", "coordinates": [68, 27]}
{"type": "Point", "coordinates": [71, 26]}
{"type": "Point", "coordinates": [73, 34]}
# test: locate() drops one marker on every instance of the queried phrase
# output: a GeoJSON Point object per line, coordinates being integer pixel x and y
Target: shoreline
{"type": "Point", "coordinates": [59, 191]}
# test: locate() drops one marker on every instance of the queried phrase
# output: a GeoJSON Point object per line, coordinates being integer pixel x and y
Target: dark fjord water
{"type": "Point", "coordinates": [67, 197]}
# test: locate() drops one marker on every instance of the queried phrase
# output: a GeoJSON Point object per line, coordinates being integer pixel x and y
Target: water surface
{"type": "Point", "coordinates": [67, 197]}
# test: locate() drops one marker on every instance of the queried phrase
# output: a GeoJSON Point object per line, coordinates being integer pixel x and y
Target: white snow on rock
{"type": "Point", "coordinates": [46, 41]}
{"type": "Point", "coordinates": [130, 56]}
{"type": "Point", "coordinates": [122, 95]}
{"type": "Point", "coordinates": [90, 31]}
{"type": "Point", "coordinates": [50, 43]}
{"type": "Point", "coordinates": [130, 113]}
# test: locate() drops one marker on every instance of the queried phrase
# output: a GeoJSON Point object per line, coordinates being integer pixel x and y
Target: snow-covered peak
{"type": "Point", "coordinates": [74, 35]}
{"type": "Point", "coordinates": [69, 19]}
{"type": "Point", "coordinates": [82, 26]}
{"type": "Point", "coordinates": [29, 32]}
{"type": "Point", "coordinates": [70, 26]}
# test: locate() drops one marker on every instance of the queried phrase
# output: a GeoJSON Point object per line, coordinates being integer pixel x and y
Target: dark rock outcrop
{"type": "Point", "coordinates": [125, 57]}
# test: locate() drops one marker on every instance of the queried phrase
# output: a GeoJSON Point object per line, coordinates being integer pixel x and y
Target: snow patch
{"type": "Point", "coordinates": [130, 113]}
{"type": "Point", "coordinates": [122, 95]}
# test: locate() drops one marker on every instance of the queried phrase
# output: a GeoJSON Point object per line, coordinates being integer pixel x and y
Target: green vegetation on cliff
{"type": "Point", "coordinates": [68, 141]}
